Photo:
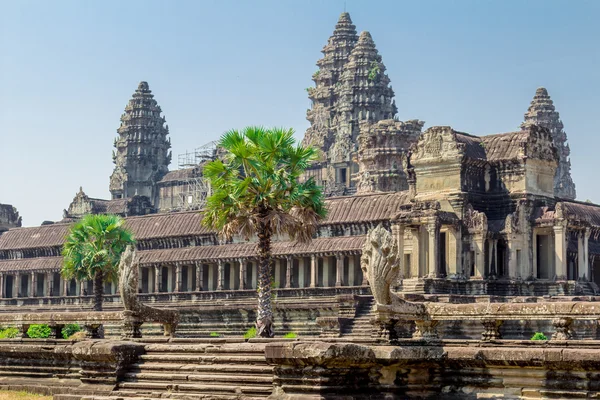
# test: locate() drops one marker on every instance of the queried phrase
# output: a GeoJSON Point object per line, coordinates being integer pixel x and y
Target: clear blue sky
{"type": "Point", "coordinates": [67, 69]}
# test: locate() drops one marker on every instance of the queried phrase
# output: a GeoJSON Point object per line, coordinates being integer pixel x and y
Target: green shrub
{"type": "Point", "coordinates": [69, 329]}
{"type": "Point", "coordinates": [214, 334]}
{"type": "Point", "coordinates": [250, 333]}
{"type": "Point", "coordinates": [40, 331]}
{"type": "Point", "coordinates": [9, 333]}
{"type": "Point", "coordinates": [539, 336]}
{"type": "Point", "coordinates": [290, 335]}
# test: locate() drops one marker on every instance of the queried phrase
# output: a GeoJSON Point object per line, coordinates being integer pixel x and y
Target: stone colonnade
{"type": "Point", "coordinates": [433, 249]}
{"type": "Point", "coordinates": [324, 270]}
{"type": "Point", "coordinates": [45, 284]}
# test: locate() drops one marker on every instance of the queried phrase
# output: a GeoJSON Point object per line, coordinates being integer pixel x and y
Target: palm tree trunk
{"type": "Point", "coordinates": [264, 318]}
{"type": "Point", "coordinates": [98, 290]}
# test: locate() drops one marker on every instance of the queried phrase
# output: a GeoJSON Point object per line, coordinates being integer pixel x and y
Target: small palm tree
{"type": "Point", "coordinates": [92, 250]}
{"type": "Point", "coordinates": [256, 192]}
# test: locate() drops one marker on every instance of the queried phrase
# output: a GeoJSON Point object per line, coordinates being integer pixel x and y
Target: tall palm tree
{"type": "Point", "coordinates": [256, 192]}
{"type": "Point", "coordinates": [92, 250]}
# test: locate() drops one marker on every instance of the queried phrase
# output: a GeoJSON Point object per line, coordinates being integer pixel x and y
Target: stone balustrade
{"type": "Point", "coordinates": [427, 315]}
{"type": "Point", "coordinates": [92, 321]}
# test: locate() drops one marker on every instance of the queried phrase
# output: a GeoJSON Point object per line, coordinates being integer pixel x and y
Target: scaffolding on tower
{"type": "Point", "coordinates": [195, 188]}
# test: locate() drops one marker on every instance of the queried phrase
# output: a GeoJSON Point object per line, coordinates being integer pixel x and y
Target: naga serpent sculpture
{"type": "Point", "coordinates": [136, 313]}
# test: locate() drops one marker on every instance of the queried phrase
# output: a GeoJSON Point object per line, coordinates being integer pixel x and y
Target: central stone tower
{"type": "Point", "coordinates": [142, 155]}
{"type": "Point", "coordinates": [351, 87]}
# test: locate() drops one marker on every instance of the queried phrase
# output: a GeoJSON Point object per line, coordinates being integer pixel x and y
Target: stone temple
{"type": "Point", "coordinates": [474, 218]}
{"type": "Point", "coordinates": [467, 210]}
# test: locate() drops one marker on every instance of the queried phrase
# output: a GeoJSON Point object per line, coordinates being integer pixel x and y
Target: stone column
{"type": "Point", "coordinates": [313, 271]}
{"type": "Point", "coordinates": [455, 267]}
{"type": "Point", "coordinates": [33, 284]}
{"type": "Point", "coordinates": [479, 249]}
{"type": "Point", "coordinates": [303, 265]}
{"type": "Point", "coordinates": [254, 266]}
{"type": "Point", "coordinates": [398, 234]}
{"type": "Point", "coordinates": [289, 264]}
{"type": "Point", "coordinates": [415, 271]}
{"type": "Point", "coordinates": [278, 273]}
{"type": "Point", "coordinates": [339, 269]}
{"type": "Point", "coordinates": [1, 286]}
{"type": "Point", "coordinates": [493, 261]}
{"type": "Point", "coordinates": [220, 275]}
{"type": "Point", "coordinates": [177, 277]}
{"type": "Point", "coordinates": [351, 270]}
{"type": "Point", "coordinates": [242, 274]}
{"type": "Point", "coordinates": [434, 248]}
{"type": "Point", "coordinates": [65, 285]}
{"type": "Point", "coordinates": [49, 283]}
{"type": "Point", "coordinates": [82, 286]}
{"type": "Point", "coordinates": [141, 279]}
{"type": "Point", "coordinates": [581, 272]}
{"type": "Point", "coordinates": [211, 278]}
{"type": "Point", "coordinates": [199, 276]}
{"type": "Point", "coordinates": [157, 278]}
{"type": "Point", "coordinates": [327, 271]}
{"type": "Point", "coordinates": [586, 252]}
{"type": "Point", "coordinates": [560, 252]}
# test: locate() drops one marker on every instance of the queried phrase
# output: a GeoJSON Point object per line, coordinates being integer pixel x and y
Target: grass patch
{"type": "Point", "coordinates": [9, 395]}
{"type": "Point", "coordinates": [539, 336]}
{"type": "Point", "coordinates": [9, 333]}
{"type": "Point", "coordinates": [290, 335]}
{"type": "Point", "coordinates": [214, 334]}
{"type": "Point", "coordinates": [250, 333]}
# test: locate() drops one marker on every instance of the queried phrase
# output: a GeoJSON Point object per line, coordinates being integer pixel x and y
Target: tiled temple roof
{"type": "Point", "coordinates": [342, 210]}
{"type": "Point", "coordinates": [473, 147]}
{"type": "Point", "coordinates": [179, 174]}
{"type": "Point", "coordinates": [116, 206]}
{"type": "Point", "coordinates": [365, 208]}
{"type": "Point", "coordinates": [205, 253]}
{"type": "Point", "coordinates": [504, 146]}
{"type": "Point", "coordinates": [31, 264]}
{"type": "Point", "coordinates": [144, 227]}
{"type": "Point", "coordinates": [497, 147]}
{"type": "Point", "coordinates": [589, 213]}
{"type": "Point", "coordinates": [232, 251]}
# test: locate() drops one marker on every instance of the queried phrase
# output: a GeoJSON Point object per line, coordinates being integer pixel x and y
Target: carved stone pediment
{"type": "Point", "coordinates": [474, 220]}
{"type": "Point", "coordinates": [437, 142]}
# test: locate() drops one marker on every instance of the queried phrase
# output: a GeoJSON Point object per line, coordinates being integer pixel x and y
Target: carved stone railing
{"type": "Point", "coordinates": [92, 321]}
{"type": "Point", "coordinates": [380, 265]}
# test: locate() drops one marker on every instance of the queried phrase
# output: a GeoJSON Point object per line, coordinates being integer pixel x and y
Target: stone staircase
{"type": "Point", "coordinates": [209, 370]}
{"type": "Point", "coordinates": [360, 327]}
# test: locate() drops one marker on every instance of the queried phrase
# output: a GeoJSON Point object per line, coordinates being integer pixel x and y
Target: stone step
{"type": "Point", "coordinates": [205, 358]}
{"type": "Point", "coordinates": [219, 368]}
{"type": "Point", "coordinates": [196, 388]}
{"type": "Point", "coordinates": [172, 395]}
{"type": "Point", "coordinates": [213, 377]}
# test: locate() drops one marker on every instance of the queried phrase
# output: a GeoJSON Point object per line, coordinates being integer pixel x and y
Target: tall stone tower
{"type": "Point", "coordinates": [542, 112]}
{"type": "Point", "coordinates": [323, 95]}
{"type": "Point", "coordinates": [365, 94]}
{"type": "Point", "coordinates": [142, 155]}
{"type": "Point", "coordinates": [351, 87]}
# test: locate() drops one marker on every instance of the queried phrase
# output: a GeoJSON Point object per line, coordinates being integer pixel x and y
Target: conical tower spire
{"type": "Point", "coordinates": [543, 113]}
{"type": "Point", "coordinates": [322, 95]}
{"type": "Point", "coordinates": [141, 153]}
{"type": "Point", "coordinates": [365, 94]}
